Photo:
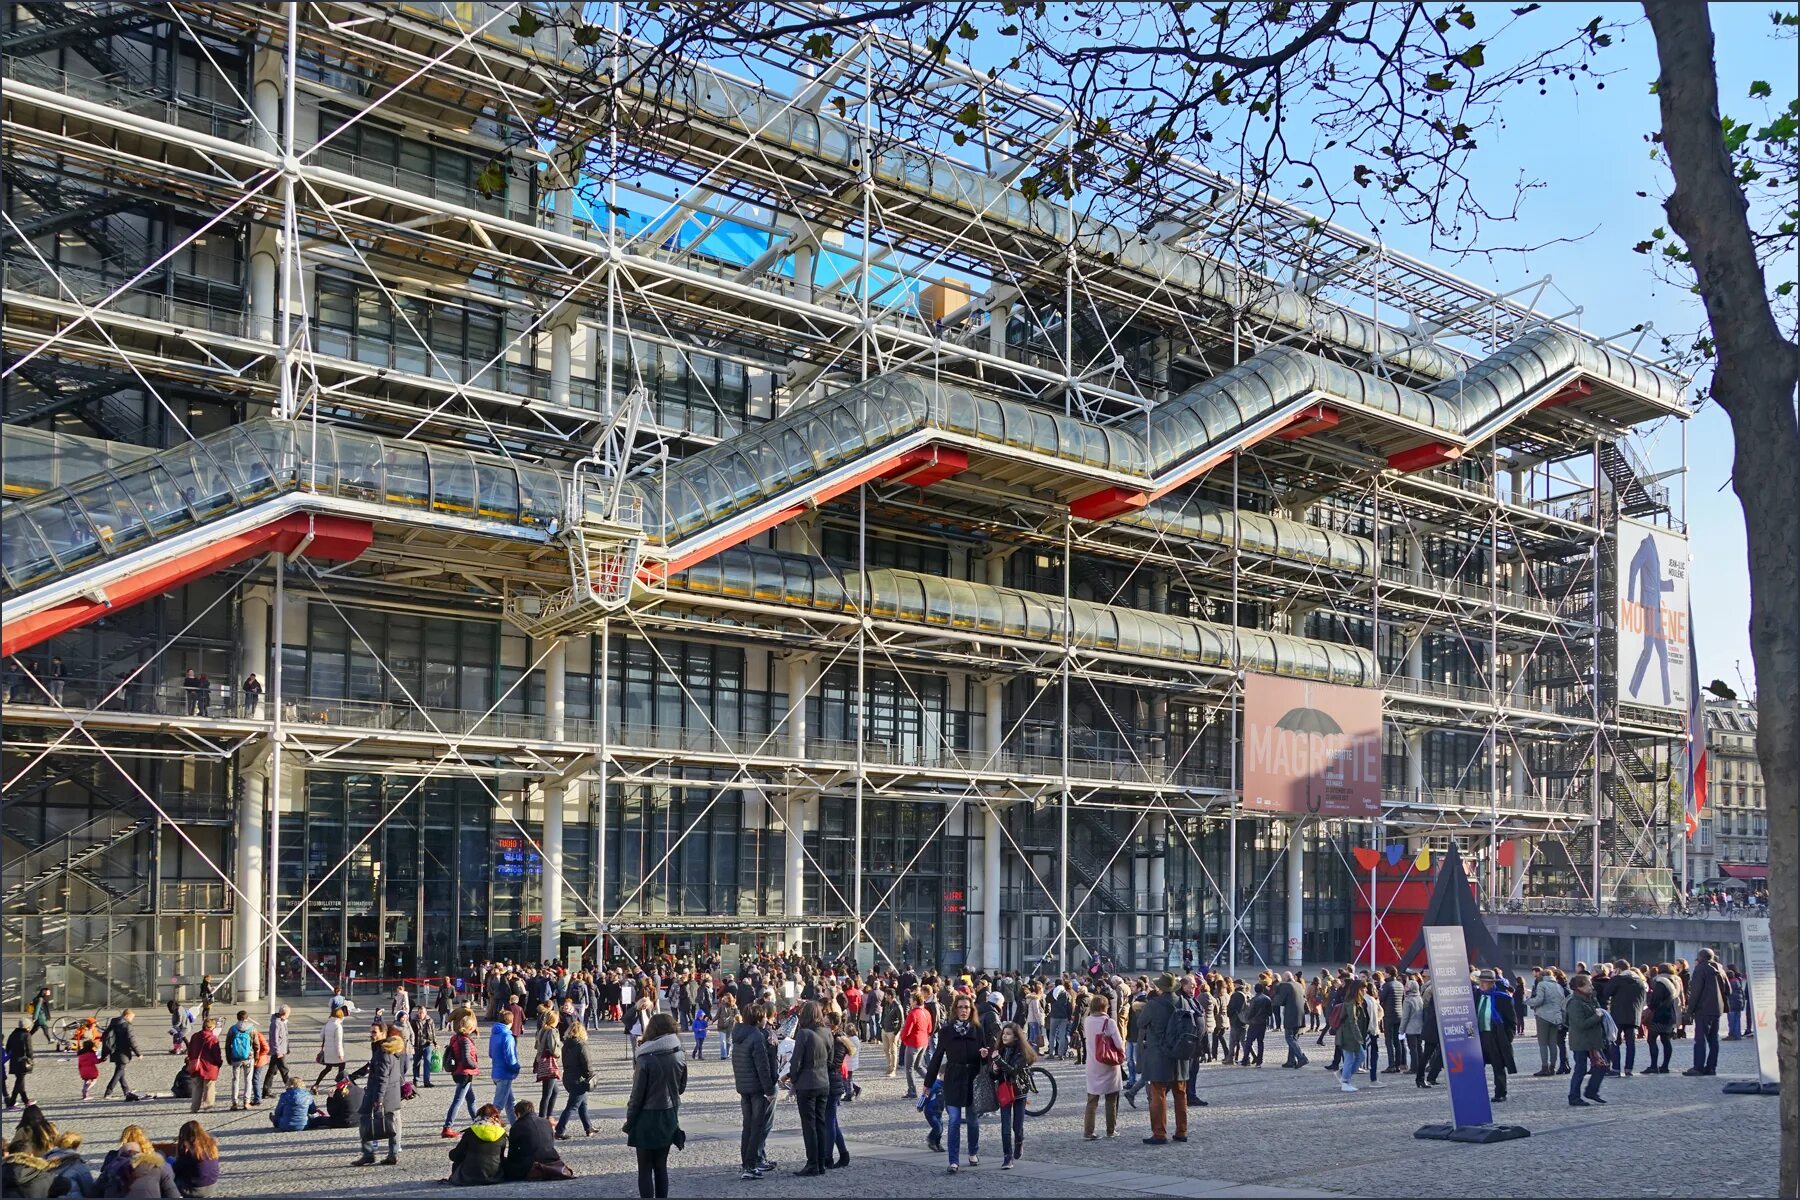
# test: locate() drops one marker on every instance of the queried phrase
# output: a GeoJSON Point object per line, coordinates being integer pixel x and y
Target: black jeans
{"type": "Point", "coordinates": [1415, 1052]}
{"type": "Point", "coordinates": [1581, 1068]}
{"type": "Point", "coordinates": [1706, 1043]}
{"type": "Point", "coordinates": [653, 1172]}
{"type": "Point", "coordinates": [1628, 1040]}
{"type": "Point", "coordinates": [1390, 1032]}
{"type": "Point", "coordinates": [277, 1066]}
{"type": "Point", "coordinates": [1668, 1050]}
{"type": "Point", "coordinates": [1012, 1129]}
{"type": "Point", "coordinates": [117, 1080]}
{"type": "Point", "coordinates": [1426, 1066]}
{"type": "Point", "coordinates": [1253, 1044]}
{"type": "Point", "coordinates": [18, 1095]}
{"type": "Point", "coordinates": [814, 1131]}
{"type": "Point", "coordinates": [750, 1145]}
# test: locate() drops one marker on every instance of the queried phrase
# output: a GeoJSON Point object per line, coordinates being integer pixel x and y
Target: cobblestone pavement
{"type": "Point", "coordinates": [1265, 1132]}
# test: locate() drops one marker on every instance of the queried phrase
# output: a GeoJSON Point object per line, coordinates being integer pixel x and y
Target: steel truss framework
{"type": "Point", "coordinates": [1485, 605]}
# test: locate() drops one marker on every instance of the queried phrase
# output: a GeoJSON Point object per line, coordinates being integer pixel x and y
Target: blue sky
{"type": "Point", "coordinates": [1589, 151]}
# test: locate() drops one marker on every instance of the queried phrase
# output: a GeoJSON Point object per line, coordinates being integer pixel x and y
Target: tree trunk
{"type": "Point", "coordinates": [1754, 380]}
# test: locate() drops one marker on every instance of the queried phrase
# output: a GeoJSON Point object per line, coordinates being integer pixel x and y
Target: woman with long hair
{"type": "Point", "coordinates": [653, 1114]}
{"type": "Point", "coordinates": [809, 1073]}
{"type": "Point", "coordinates": [196, 1160]}
{"type": "Point", "coordinates": [1103, 1079]}
{"type": "Point", "coordinates": [962, 1053]}
{"type": "Point", "coordinates": [1011, 1063]}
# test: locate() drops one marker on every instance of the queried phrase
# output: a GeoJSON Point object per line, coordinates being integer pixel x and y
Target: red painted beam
{"type": "Point", "coordinates": [1316, 418]}
{"type": "Point", "coordinates": [1109, 502]}
{"type": "Point", "coordinates": [1578, 390]}
{"type": "Point", "coordinates": [921, 467]}
{"type": "Point", "coordinates": [334, 539]}
{"type": "Point", "coordinates": [1431, 454]}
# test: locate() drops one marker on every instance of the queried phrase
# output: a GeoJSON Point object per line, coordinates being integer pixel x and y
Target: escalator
{"type": "Point", "coordinates": [124, 534]}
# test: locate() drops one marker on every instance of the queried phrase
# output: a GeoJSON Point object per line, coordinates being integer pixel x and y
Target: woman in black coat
{"type": "Point", "coordinates": [809, 1071]}
{"type": "Point", "coordinates": [962, 1053]}
{"type": "Point", "coordinates": [576, 1079]}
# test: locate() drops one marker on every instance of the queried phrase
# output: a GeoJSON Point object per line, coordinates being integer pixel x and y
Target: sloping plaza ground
{"type": "Point", "coordinates": [1267, 1132]}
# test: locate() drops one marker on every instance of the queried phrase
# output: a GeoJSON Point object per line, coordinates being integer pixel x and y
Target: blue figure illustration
{"type": "Point", "coordinates": [1647, 587]}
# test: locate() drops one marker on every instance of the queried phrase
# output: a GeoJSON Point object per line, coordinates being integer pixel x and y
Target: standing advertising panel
{"type": "Point", "coordinates": [1311, 748]}
{"type": "Point", "coordinates": [1459, 1033]}
{"type": "Point", "coordinates": [1651, 614]}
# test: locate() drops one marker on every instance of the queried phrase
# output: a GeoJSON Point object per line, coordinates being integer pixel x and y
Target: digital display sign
{"type": "Point", "coordinates": [514, 859]}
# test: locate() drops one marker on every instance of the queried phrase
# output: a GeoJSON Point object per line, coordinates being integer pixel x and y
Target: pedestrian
{"type": "Point", "coordinates": [1105, 1059]}
{"type": "Point", "coordinates": [915, 1033]}
{"type": "Point", "coordinates": [1494, 1018]}
{"type": "Point", "coordinates": [576, 1080]}
{"type": "Point", "coordinates": [205, 694]}
{"type": "Point", "coordinates": [331, 1046]}
{"type": "Point", "coordinates": [1290, 1003]}
{"type": "Point", "coordinates": [240, 1056]}
{"type": "Point", "coordinates": [809, 1075]}
{"type": "Point", "coordinates": [380, 1114]}
{"type": "Point", "coordinates": [42, 1016]}
{"type": "Point", "coordinates": [754, 1072]}
{"type": "Point", "coordinates": [546, 1065]}
{"type": "Point", "coordinates": [699, 1027]}
{"type": "Point", "coordinates": [19, 1064]}
{"type": "Point", "coordinates": [479, 1155]}
{"type": "Point", "coordinates": [196, 1163]}
{"type": "Point", "coordinates": [1256, 1025]}
{"type": "Point", "coordinates": [1412, 1021]}
{"type": "Point", "coordinates": [425, 1059]}
{"type": "Point", "coordinates": [1706, 1002]}
{"type": "Point", "coordinates": [1352, 1032]}
{"type": "Point", "coordinates": [1626, 1004]}
{"type": "Point", "coordinates": [206, 996]}
{"type": "Point", "coordinates": [1661, 1007]}
{"type": "Point", "coordinates": [204, 1058]}
{"type": "Point", "coordinates": [1012, 1066]}
{"type": "Point", "coordinates": [653, 1113]}
{"type": "Point", "coordinates": [1548, 1003]}
{"type": "Point", "coordinates": [178, 1027]}
{"type": "Point", "coordinates": [503, 1062]}
{"type": "Point", "coordinates": [118, 1045]}
{"type": "Point", "coordinates": [961, 1055]}
{"type": "Point", "coordinates": [1735, 996]}
{"type": "Point", "coordinates": [87, 1057]}
{"type": "Point", "coordinates": [1587, 1043]}
{"type": "Point", "coordinates": [253, 690]}
{"type": "Point", "coordinates": [278, 1052]}
{"type": "Point", "coordinates": [1168, 1036]}
{"type": "Point", "coordinates": [461, 1061]}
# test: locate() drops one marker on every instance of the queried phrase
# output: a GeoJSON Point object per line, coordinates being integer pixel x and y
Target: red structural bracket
{"type": "Point", "coordinates": [1578, 390]}
{"type": "Point", "coordinates": [1316, 418]}
{"type": "Point", "coordinates": [329, 538]}
{"type": "Point", "coordinates": [921, 466]}
{"type": "Point", "coordinates": [1431, 454]}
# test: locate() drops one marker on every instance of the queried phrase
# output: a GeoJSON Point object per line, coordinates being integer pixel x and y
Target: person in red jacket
{"type": "Point", "coordinates": [204, 1058]}
{"type": "Point", "coordinates": [915, 1035]}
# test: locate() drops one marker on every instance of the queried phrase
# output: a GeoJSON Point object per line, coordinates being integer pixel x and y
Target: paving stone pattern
{"type": "Point", "coordinates": [1266, 1132]}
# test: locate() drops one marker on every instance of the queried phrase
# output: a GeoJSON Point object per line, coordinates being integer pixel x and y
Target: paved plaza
{"type": "Point", "coordinates": [1267, 1132]}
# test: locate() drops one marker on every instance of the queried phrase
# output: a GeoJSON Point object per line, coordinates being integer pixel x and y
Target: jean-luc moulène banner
{"type": "Point", "coordinates": [1311, 747]}
{"type": "Point", "coordinates": [1759, 967]}
{"type": "Point", "coordinates": [1459, 1034]}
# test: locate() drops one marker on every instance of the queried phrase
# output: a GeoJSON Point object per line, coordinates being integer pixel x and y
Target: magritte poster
{"type": "Point", "coordinates": [1311, 747]}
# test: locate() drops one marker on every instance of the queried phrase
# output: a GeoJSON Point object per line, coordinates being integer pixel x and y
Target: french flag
{"type": "Point", "coordinates": [1693, 789]}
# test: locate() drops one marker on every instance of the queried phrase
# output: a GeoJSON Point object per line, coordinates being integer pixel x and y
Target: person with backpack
{"type": "Point", "coordinates": [240, 1056]}
{"type": "Point", "coordinates": [118, 1046]}
{"type": "Point", "coordinates": [204, 1058]}
{"type": "Point", "coordinates": [460, 1060]}
{"type": "Point", "coordinates": [1168, 1034]}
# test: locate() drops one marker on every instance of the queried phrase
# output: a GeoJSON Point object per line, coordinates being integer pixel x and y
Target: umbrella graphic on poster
{"type": "Point", "coordinates": [1308, 720]}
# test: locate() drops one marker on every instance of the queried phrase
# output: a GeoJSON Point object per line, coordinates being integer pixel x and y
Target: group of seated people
{"type": "Point", "coordinates": [488, 1152]}
{"type": "Point", "coordinates": [43, 1161]}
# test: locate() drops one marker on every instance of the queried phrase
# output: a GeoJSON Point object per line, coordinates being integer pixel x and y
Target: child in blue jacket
{"type": "Point", "coordinates": [699, 1028]}
{"type": "Point", "coordinates": [931, 1103]}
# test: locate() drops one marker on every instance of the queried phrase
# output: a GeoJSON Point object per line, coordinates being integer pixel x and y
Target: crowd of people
{"type": "Point", "coordinates": [798, 1030]}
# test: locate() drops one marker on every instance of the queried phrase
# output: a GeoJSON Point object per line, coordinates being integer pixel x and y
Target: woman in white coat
{"type": "Point", "coordinates": [1548, 1003]}
{"type": "Point", "coordinates": [1103, 1079]}
{"type": "Point", "coordinates": [331, 1047]}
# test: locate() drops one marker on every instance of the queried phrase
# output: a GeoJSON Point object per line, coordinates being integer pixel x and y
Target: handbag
{"type": "Point", "coordinates": [985, 1097]}
{"type": "Point", "coordinates": [548, 1067]}
{"type": "Point", "coordinates": [1003, 1092]}
{"type": "Point", "coordinates": [437, 1060]}
{"type": "Point", "coordinates": [544, 1172]}
{"type": "Point", "coordinates": [1107, 1049]}
{"type": "Point", "coordinates": [1597, 1062]}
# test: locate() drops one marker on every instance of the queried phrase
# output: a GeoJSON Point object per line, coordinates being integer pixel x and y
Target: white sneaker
{"type": "Point", "coordinates": [1347, 1087]}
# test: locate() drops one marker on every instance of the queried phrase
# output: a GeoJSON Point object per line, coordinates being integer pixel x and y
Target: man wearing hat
{"type": "Point", "coordinates": [1159, 1031]}
{"type": "Point", "coordinates": [1493, 1011]}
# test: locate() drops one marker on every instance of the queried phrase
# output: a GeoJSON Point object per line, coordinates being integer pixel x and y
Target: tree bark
{"type": "Point", "coordinates": [1755, 379]}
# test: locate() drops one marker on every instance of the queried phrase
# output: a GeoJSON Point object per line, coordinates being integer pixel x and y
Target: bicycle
{"type": "Point", "coordinates": [1040, 1085]}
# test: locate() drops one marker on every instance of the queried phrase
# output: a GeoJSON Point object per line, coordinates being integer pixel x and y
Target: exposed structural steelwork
{"type": "Point", "coordinates": [807, 537]}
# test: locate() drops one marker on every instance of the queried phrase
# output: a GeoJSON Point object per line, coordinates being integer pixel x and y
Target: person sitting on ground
{"type": "Point", "coordinates": [42, 1160]}
{"type": "Point", "coordinates": [479, 1156]}
{"type": "Point", "coordinates": [196, 1160]}
{"type": "Point", "coordinates": [531, 1141]}
{"type": "Point", "coordinates": [134, 1168]}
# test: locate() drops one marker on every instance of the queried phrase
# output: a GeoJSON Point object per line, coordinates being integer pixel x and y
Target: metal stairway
{"type": "Point", "coordinates": [86, 28]}
{"type": "Point", "coordinates": [1635, 497]}
{"type": "Point", "coordinates": [85, 854]}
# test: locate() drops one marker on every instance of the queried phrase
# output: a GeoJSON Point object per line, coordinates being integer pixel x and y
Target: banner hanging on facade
{"type": "Point", "coordinates": [1311, 747]}
{"type": "Point", "coordinates": [1447, 957]}
{"type": "Point", "coordinates": [1651, 615]}
{"type": "Point", "coordinates": [1759, 969]}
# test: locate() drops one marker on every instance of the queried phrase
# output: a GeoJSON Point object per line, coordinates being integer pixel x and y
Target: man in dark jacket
{"type": "Point", "coordinates": [124, 1048]}
{"type": "Point", "coordinates": [1626, 1004]}
{"type": "Point", "coordinates": [809, 1072]}
{"type": "Point", "coordinates": [1390, 1022]}
{"type": "Point", "coordinates": [754, 1066]}
{"type": "Point", "coordinates": [1287, 999]}
{"type": "Point", "coordinates": [529, 1141]}
{"type": "Point", "coordinates": [381, 1100]}
{"type": "Point", "coordinates": [1493, 1016]}
{"type": "Point", "coordinates": [1706, 999]}
{"type": "Point", "coordinates": [1160, 1063]}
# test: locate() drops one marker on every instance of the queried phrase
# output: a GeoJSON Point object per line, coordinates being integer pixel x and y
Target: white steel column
{"type": "Point", "coordinates": [1296, 894]}
{"type": "Point", "coordinates": [253, 780]}
{"type": "Point", "coordinates": [550, 844]}
{"type": "Point", "coordinates": [992, 878]}
{"type": "Point", "coordinates": [1158, 948]}
{"type": "Point", "coordinates": [793, 894]}
{"type": "Point", "coordinates": [265, 248]}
